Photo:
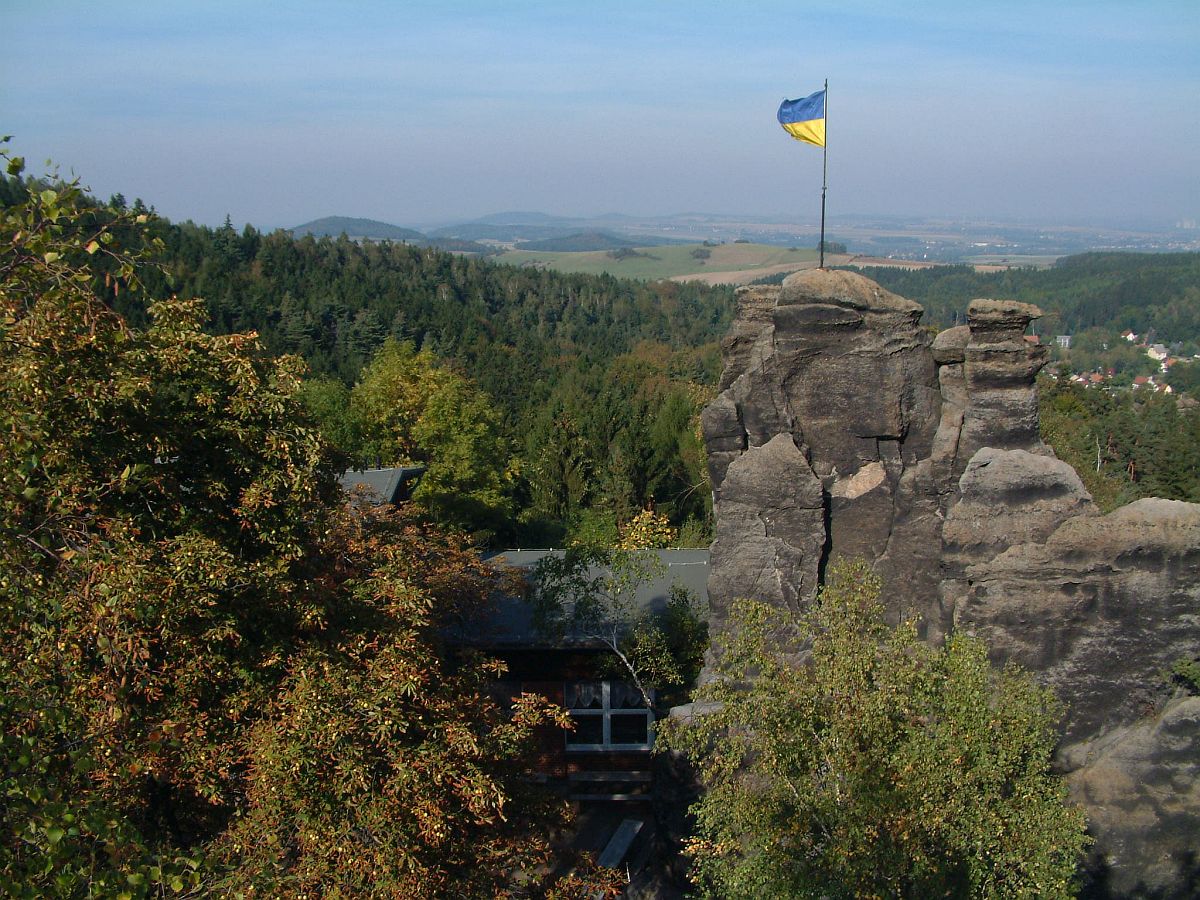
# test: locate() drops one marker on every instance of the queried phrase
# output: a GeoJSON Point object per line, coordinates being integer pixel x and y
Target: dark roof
{"type": "Point", "coordinates": [382, 485]}
{"type": "Point", "coordinates": [510, 623]}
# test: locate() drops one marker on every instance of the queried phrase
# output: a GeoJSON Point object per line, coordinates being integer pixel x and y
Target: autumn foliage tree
{"type": "Point", "coordinates": [217, 678]}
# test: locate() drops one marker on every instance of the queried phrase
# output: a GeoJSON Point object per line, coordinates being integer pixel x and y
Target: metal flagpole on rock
{"type": "Point", "coordinates": [824, 176]}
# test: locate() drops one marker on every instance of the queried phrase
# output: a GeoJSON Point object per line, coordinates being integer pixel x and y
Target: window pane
{"type": "Point", "coordinates": [585, 695]}
{"type": "Point", "coordinates": [629, 728]}
{"type": "Point", "coordinates": [588, 730]}
{"type": "Point", "coordinates": [625, 696]}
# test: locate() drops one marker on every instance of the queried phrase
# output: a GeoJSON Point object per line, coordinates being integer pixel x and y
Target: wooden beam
{"type": "Point", "coordinates": [619, 844]}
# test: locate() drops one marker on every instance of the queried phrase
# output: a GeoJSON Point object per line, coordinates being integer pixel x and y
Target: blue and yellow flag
{"type": "Point", "coordinates": [805, 119]}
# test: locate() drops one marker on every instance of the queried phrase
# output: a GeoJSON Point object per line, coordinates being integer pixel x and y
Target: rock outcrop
{"type": "Point", "coordinates": [999, 368]}
{"type": "Point", "coordinates": [773, 527]}
{"type": "Point", "coordinates": [843, 428]}
{"type": "Point", "coordinates": [1101, 608]}
{"type": "Point", "coordinates": [840, 369]}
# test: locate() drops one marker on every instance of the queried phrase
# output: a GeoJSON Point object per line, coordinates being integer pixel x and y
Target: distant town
{"type": "Point", "coordinates": [1102, 377]}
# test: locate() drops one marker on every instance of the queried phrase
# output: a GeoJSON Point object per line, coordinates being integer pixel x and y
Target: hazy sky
{"type": "Point", "coordinates": [415, 112]}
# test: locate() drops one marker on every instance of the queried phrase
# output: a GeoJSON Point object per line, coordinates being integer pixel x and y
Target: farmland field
{"type": "Point", "coordinates": [672, 261]}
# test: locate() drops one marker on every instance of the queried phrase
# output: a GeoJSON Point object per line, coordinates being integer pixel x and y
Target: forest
{"type": "Point", "coordinates": [1125, 445]}
{"type": "Point", "coordinates": [1145, 292]}
{"type": "Point", "coordinates": [583, 392]}
{"type": "Point", "coordinates": [552, 408]}
{"type": "Point", "coordinates": [221, 679]}
{"type": "Point", "coordinates": [586, 390]}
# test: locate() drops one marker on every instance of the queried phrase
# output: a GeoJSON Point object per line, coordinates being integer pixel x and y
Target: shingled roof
{"type": "Point", "coordinates": [510, 622]}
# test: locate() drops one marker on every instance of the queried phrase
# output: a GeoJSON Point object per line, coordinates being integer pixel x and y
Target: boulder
{"type": "Point", "coordinates": [1010, 497]}
{"type": "Point", "coordinates": [950, 346]}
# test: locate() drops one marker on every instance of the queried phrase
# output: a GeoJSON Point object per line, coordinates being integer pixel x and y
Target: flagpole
{"type": "Point", "coordinates": [824, 176]}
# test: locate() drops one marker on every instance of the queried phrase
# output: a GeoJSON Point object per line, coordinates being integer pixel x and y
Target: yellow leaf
{"type": "Point", "coordinates": [92, 247]}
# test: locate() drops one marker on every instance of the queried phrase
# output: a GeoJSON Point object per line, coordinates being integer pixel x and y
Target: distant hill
{"type": "Point", "coordinates": [580, 242]}
{"type": "Point", "coordinates": [525, 218]}
{"type": "Point", "coordinates": [457, 245]}
{"type": "Point", "coordinates": [717, 263]}
{"type": "Point", "coordinates": [332, 226]}
{"type": "Point", "coordinates": [515, 227]}
{"type": "Point", "coordinates": [490, 231]}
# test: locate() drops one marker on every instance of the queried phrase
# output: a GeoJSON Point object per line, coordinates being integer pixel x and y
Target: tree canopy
{"type": "Point", "coordinates": [1124, 444]}
{"type": "Point", "coordinates": [841, 757]}
{"type": "Point", "coordinates": [623, 366]}
{"type": "Point", "coordinates": [1141, 291]}
{"type": "Point", "coordinates": [409, 410]}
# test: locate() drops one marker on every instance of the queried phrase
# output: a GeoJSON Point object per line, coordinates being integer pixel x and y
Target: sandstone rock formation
{"type": "Point", "coordinates": [844, 428]}
{"type": "Point", "coordinates": [841, 368]}
{"type": "Point", "coordinates": [1101, 608]}
{"type": "Point", "coordinates": [773, 525]}
{"type": "Point", "coordinates": [1141, 792]}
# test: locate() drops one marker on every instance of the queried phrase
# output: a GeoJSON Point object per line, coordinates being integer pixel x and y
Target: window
{"type": "Point", "coordinates": [608, 715]}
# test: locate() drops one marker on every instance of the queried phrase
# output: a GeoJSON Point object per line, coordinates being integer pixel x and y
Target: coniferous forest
{"type": "Point", "coordinates": [584, 391]}
{"type": "Point", "coordinates": [1145, 292]}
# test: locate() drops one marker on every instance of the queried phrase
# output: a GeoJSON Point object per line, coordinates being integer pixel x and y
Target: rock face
{"type": "Point", "coordinates": [1140, 788]}
{"type": "Point", "coordinates": [840, 369]}
{"type": "Point", "coordinates": [773, 526]}
{"type": "Point", "coordinates": [1101, 608]}
{"type": "Point", "coordinates": [844, 429]}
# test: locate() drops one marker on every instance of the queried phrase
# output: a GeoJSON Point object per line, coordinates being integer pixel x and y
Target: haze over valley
{"type": "Point", "coordinates": [876, 239]}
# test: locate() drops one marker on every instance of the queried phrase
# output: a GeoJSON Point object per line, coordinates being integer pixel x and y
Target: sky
{"type": "Point", "coordinates": [418, 113]}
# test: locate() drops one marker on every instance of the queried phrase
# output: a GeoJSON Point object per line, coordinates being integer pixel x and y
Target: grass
{"type": "Point", "coordinates": [663, 262]}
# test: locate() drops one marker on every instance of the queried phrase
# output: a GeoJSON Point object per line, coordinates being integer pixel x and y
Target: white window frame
{"type": "Point", "coordinates": [605, 714]}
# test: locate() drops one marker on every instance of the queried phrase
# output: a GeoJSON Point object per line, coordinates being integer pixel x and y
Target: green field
{"type": "Point", "coordinates": [664, 261]}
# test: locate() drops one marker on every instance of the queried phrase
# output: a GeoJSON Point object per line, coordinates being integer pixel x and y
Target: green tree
{"type": "Point", "coordinates": [1124, 444]}
{"type": "Point", "coordinates": [559, 474]}
{"type": "Point", "coordinates": [411, 410]}
{"type": "Point", "coordinates": [844, 758]}
{"type": "Point", "coordinates": [1074, 421]}
{"type": "Point", "coordinates": [327, 400]}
